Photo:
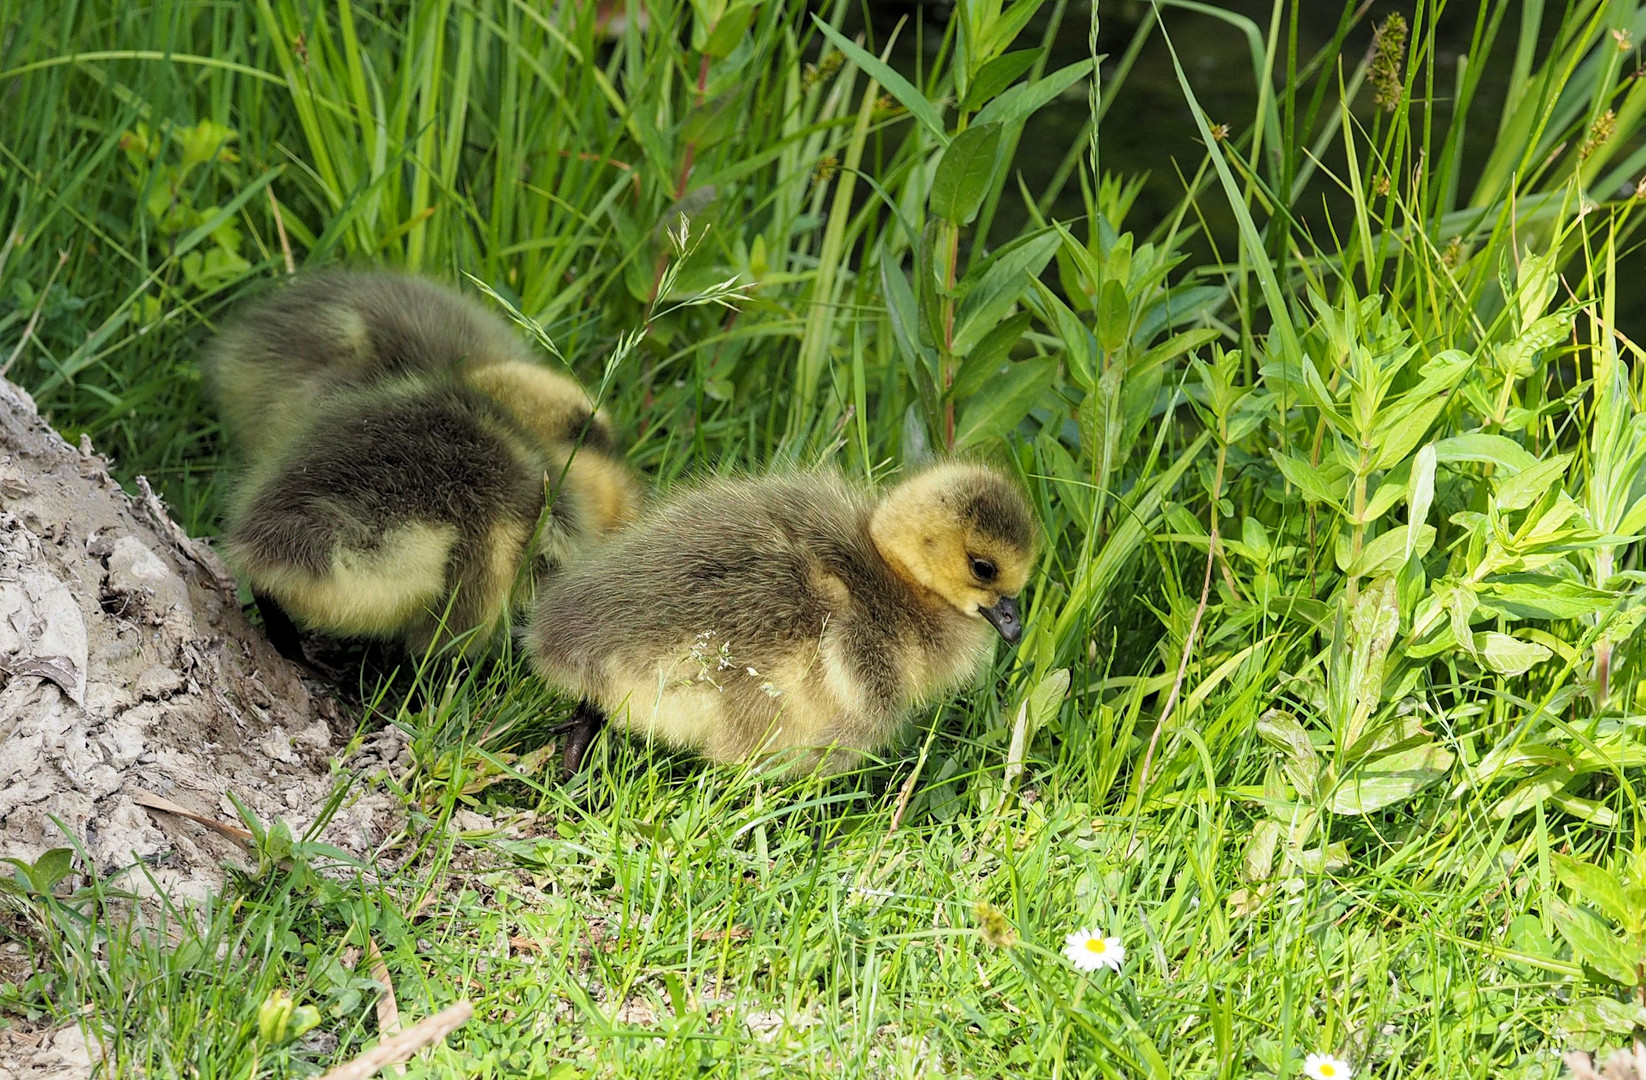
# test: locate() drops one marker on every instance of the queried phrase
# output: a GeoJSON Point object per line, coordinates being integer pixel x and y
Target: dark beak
{"type": "Point", "coordinates": [1004, 617]}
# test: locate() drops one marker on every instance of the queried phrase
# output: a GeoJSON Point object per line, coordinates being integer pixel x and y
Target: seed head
{"type": "Point", "coordinates": [1388, 51]}
{"type": "Point", "coordinates": [997, 929]}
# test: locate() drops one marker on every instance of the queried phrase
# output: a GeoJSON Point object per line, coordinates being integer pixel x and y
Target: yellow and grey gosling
{"type": "Point", "coordinates": [792, 613]}
{"type": "Point", "coordinates": [398, 446]}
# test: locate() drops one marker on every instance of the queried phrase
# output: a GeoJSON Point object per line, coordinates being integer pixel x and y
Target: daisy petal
{"type": "Point", "coordinates": [1326, 1067]}
{"type": "Point", "coordinates": [1090, 949]}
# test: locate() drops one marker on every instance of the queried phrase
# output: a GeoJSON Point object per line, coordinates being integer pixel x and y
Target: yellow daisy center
{"type": "Point", "coordinates": [1097, 945]}
{"type": "Point", "coordinates": [1328, 1069]}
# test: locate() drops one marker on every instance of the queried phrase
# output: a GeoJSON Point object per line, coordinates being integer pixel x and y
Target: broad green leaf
{"type": "Point", "coordinates": [1002, 284]}
{"type": "Point", "coordinates": [1310, 480]}
{"type": "Point", "coordinates": [1002, 405]}
{"type": "Point", "coordinates": [1001, 28]}
{"type": "Point", "coordinates": [1524, 488]}
{"type": "Point", "coordinates": [1079, 346]}
{"type": "Point", "coordinates": [1025, 99]}
{"type": "Point", "coordinates": [1139, 392]}
{"type": "Point", "coordinates": [1634, 520]}
{"type": "Point", "coordinates": [1176, 346]}
{"type": "Point", "coordinates": [896, 85]}
{"type": "Point", "coordinates": [985, 360]}
{"type": "Point", "coordinates": [1045, 699]}
{"type": "Point", "coordinates": [1255, 537]}
{"type": "Point", "coordinates": [1593, 942]}
{"type": "Point", "coordinates": [1536, 596]}
{"type": "Point", "coordinates": [1440, 372]}
{"type": "Point", "coordinates": [1598, 1017]}
{"type": "Point", "coordinates": [201, 142]}
{"type": "Point", "coordinates": [1114, 316]}
{"type": "Point", "coordinates": [51, 868]}
{"type": "Point", "coordinates": [1516, 359]}
{"type": "Point", "coordinates": [1403, 429]}
{"type": "Point", "coordinates": [1396, 484]}
{"type": "Point", "coordinates": [1597, 814]}
{"type": "Point", "coordinates": [1533, 791]}
{"type": "Point", "coordinates": [1100, 426]}
{"type": "Point", "coordinates": [1327, 860]}
{"type": "Point", "coordinates": [1535, 284]}
{"type": "Point", "coordinates": [1461, 605]}
{"type": "Point", "coordinates": [1375, 621]}
{"type": "Point", "coordinates": [1297, 754]}
{"type": "Point", "coordinates": [930, 283]}
{"type": "Point", "coordinates": [1421, 492]}
{"type": "Point", "coordinates": [1595, 886]}
{"type": "Point", "coordinates": [964, 173]}
{"type": "Point", "coordinates": [1385, 553]}
{"type": "Point", "coordinates": [1499, 450]}
{"type": "Point", "coordinates": [996, 75]}
{"type": "Point", "coordinates": [1502, 762]}
{"type": "Point", "coordinates": [730, 30]}
{"type": "Point", "coordinates": [1195, 303]}
{"type": "Point", "coordinates": [1321, 397]}
{"type": "Point", "coordinates": [1078, 269]}
{"type": "Point", "coordinates": [1390, 780]}
{"type": "Point", "coordinates": [1257, 863]}
{"type": "Point", "coordinates": [1508, 655]}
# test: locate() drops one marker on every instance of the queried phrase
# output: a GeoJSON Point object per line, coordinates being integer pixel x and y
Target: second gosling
{"type": "Point", "coordinates": [791, 614]}
{"type": "Point", "coordinates": [398, 444]}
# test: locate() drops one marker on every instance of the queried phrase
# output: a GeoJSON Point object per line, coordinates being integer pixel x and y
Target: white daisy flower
{"type": "Point", "coordinates": [1326, 1067]}
{"type": "Point", "coordinates": [1089, 950]}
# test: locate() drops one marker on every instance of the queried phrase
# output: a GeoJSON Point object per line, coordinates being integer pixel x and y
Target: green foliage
{"type": "Point", "coordinates": [1609, 939]}
{"type": "Point", "coordinates": [1334, 652]}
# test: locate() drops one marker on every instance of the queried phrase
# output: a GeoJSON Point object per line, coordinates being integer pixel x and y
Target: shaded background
{"type": "Point", "coordinates": [1150, 132]}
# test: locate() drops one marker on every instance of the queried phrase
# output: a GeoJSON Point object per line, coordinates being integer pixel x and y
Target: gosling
{"type": "Point", "coordinates": [407, 470]}
{"type": "Point", "coordinates": [792, 616]}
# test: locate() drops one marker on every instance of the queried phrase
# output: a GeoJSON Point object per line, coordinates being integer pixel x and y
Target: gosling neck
{"type": "Point", "coordinates": [901, 540]}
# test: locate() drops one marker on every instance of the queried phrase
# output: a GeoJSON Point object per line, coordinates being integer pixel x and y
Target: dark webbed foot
{"type": "Point", "coordinates": [585, 724]}
{"type": "Point", "coordinates": [281, 631]}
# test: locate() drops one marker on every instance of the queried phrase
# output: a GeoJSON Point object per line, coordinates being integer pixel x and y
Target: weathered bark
{"type": "Point", "coordinates": [127, 667]}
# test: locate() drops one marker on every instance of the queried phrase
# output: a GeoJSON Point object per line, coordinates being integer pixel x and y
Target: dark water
{"type": "Point", "coordinates": [1150, 131]}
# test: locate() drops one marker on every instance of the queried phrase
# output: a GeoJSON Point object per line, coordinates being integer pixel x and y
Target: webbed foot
{"type": "Point", "coordinates": [279, 629]}
{"type": "Point", "coordinates": [585, 724]}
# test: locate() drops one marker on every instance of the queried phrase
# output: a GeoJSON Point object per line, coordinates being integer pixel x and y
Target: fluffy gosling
{"type": "Point", "coordinates": [398, 446]}
{"type": "Point", "coordinates": [790, 614]}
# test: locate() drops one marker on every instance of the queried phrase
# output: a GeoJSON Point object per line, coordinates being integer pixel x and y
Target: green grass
{"type": "Point", "coordinates": [1342, 574]}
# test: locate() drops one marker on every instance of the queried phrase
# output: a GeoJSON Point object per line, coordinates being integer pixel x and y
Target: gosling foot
{"type": "Point", "coordinates": [585, 724]}
{"type": "Point", "coordinates": [280, 630]}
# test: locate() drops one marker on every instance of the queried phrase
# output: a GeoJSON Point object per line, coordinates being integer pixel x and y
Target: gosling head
{"type": "Point", "coordinates": [962, 532]}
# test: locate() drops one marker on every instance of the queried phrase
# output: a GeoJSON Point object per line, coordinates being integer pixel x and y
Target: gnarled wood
{"type": "Point", "coordinates": [127, 666]}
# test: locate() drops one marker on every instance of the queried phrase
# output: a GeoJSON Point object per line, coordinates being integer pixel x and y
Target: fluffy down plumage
{"type": "Point", "coordinates": [794, 613]}
{"type": "Point", "coordinates": [402, 457]}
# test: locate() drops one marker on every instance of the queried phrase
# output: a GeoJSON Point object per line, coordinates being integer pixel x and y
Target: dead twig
{"type": "Point", "coordinates": [402, 1046]}
{"type": "Point", "coordinates": [34, 316]}
{"type": "Point", "coordinates": [280, 229]}
{"type": "Point", "coordinates": [907, 791]}
{"type": "Point", "coordinates": [159, 802]}
{"type": "Point", "coordinates": [388, 1007]}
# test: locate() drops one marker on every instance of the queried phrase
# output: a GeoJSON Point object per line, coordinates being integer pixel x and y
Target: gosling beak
{"type": "Point", "coordinates": [1004, 618]}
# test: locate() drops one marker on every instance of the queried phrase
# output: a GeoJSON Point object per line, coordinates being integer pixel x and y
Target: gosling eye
{"type": "Point", "coordinates": [983, 569]}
